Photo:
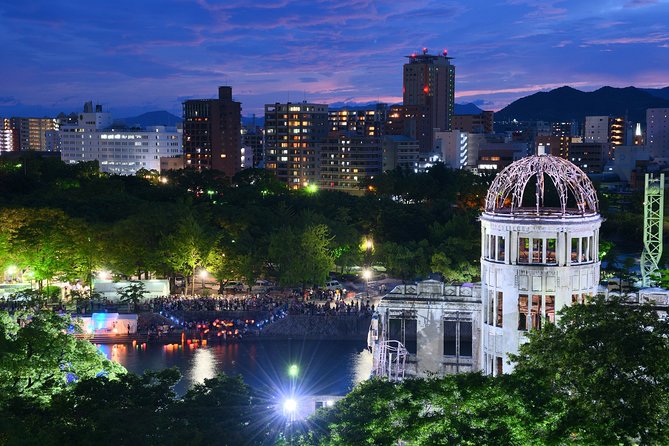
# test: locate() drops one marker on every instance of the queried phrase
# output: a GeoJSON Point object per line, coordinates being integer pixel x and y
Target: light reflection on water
{"type": "Point", "coordinates": [326, 367]}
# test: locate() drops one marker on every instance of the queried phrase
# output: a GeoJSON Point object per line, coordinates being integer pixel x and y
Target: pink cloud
{"type": "Point", "coordinates": [652, 38]}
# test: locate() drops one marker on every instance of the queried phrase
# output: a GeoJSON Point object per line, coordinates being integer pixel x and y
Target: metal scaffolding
{"type": "Point", "coordinates": [653, 216]}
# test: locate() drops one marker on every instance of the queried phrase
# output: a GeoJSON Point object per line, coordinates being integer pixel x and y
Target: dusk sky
{"type": "Point", "coordinates": [134, 56]}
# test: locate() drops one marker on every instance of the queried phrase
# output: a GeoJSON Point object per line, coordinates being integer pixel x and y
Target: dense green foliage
{"type": "Point", "coordinates": [65, 222]}
{"type": "Point", "coordinates": [38, 359]}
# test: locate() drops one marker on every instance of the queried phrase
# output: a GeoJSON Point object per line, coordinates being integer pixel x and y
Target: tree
{"type": "Point", "coordinates": [132, 294]}
{"type": "Point", "coordinates": [38, 357]}
{"type": "Point", "coordinates": [600, 376]}
{"type": "Point", "coordinates": [129, 409]}
{"type": "Point", "coordinates": [224, 408]}
{"type": "Point", "coordinates": [302, 257]}
{"type": "Point", "coordinates": [466, 409]}
{"type": "Point", "coordinates": [43, 240]}
{"type": "Point", "coordinates": [187, 247]}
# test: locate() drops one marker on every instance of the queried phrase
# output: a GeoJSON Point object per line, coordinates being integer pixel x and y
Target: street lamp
{"type": "Point", "coordinates": [11, 270]}
{"type": "Point", "coordinates": [293, 370]}
{"type": "Point", "coordinates": [367, 274]}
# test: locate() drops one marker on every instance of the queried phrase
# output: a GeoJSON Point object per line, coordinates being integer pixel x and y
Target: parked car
{"type": "Point", "coordinates": [233, 285]}
{"type": "Point", "coordinates": [333, 285]}
{"type": "Point", "coordinates": [262, 286]}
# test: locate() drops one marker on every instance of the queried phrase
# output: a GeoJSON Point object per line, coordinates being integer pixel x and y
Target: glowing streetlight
{"type": "Point", "coordinates": [367, 274]}
{"type": "Point", "coordinates": [104, 275]}
{"type": "Point", "coordinates": [11, 270]}
{"type": "Point", "coordinates": [293, 370]}
{"type": "Point", "coordinates": [369, 244]}
{"type": "Point", "coordinates": [290, 406]}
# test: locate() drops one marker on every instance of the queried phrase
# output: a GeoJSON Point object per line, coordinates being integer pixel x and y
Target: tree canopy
{"type": "Point", "coordinates": [69, 221]}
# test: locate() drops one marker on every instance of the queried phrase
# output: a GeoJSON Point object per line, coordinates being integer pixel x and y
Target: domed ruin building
{"type": "Point", "coordinates": [539, 251]}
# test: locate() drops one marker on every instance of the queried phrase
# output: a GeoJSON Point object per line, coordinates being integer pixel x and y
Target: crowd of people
{"type": "Point", "coordinates": [250, 313]}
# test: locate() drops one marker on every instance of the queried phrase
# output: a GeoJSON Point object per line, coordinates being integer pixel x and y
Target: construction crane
{"type": "Point", "coordinates": [653, 217]}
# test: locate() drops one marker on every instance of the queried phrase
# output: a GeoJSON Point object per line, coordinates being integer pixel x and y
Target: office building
{"type": "Point", "coordinates": [590, 157]}
{"type": "Point", "coordinates": [293, 133]}
{"type": "Point", "coordinates": [212, 133]}
{"type": "Point", "coordinates": [118, 150]}
{"type": "Point", "coordinates": [429, 88]}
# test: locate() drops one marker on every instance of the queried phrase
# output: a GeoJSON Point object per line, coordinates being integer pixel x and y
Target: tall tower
{"type": "Point", "coordinates": [653, 217]}
{"type": "Point", "coordinates": [212, 133]}
{"type": "Point", "coordinates": [429, 92]}
{"type": "Point", "coordinates": [540, 239]}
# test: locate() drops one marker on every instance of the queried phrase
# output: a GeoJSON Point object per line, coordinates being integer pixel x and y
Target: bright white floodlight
{"type": "Point", "coordinates": [290, 406]}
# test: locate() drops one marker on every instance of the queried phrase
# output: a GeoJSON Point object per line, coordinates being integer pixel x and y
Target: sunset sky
{"type": "Point", "coordinates": [134, 56]}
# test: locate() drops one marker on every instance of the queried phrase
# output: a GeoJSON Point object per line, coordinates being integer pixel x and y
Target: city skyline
{"type": "Point", "coordinates": [155, 55]}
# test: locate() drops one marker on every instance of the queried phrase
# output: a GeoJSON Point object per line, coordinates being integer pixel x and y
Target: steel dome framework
{"type": "Point", "coordinates": [508, 188]}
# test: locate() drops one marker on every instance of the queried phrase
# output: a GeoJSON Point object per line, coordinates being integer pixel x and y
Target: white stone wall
{"type": "Point", "coordinates": [547, 262]}
{"type": "Point", "coordinates": [431, 303]}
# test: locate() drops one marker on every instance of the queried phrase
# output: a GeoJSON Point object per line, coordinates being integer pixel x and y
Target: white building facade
{"type": "Point", "coordinates": [455, 149]}
{"type": "Point", "coordinates": [119, 151]}
{"type": "Point", "coordinates": [427, 328]}
{"type": "Point", "coordinates": [537, 256]}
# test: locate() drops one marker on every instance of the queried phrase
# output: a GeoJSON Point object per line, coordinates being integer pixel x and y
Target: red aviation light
{"type": "Point", "coordinates": [445, 52]}
{"type": "Point", "coordinates": [426, 89]}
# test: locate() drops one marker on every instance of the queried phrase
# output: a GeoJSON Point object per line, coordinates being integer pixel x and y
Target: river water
{"type": "Point", "coordinates": [325, 367]}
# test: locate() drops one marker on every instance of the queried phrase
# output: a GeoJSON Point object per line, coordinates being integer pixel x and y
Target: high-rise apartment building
{"type": "Point", "coordinates": [367, 121]}
{"type": "Point", "coordinates": [253, 146]}
{"type": "Point", "coordinates": [6, 135]}
{"type": "Point", "coordinates": [605, 129]}
{"type": "Point", "coordinates": [400, 152]}
{"type": "Point", "coordinates": [657, 132]}
{"type": "Point", "coordinates": [30, 133]}
{"type": "Point", "coordinates": [347, 159]}
{"type": "Point", "coordinates": [293, 133]}
{"type": "Point", "coordinates": [212, 133]}
{"type": "Point", "coordinates": [118, 150]}
{"type": "Point", "coordinates": [429, 85]}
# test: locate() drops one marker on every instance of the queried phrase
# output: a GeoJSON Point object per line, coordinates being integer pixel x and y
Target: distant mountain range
{"type": "Point", "coordinates": [567, 103]}
{"type": "Point", "coordinates": [150, 119]}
